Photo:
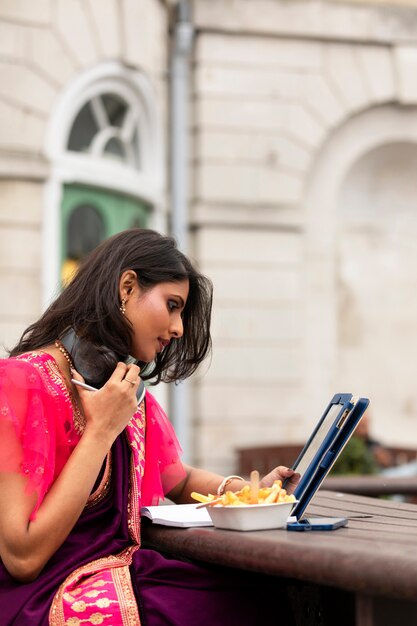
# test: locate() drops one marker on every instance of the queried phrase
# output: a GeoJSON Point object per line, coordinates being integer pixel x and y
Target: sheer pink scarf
{"type": "Point", "coordinates": [38, 433]}
{"type": "Point", "coordinates": [163, 467]}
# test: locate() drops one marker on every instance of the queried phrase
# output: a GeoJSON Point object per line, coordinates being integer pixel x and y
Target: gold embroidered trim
{"type": "Point", "coordinates": [103, 488]}
{"type": "Point", "coordinates": [58, 377]}
{"type": "Point", "coordinates": [135, 435]}
{"type": "Point", "coordinates": [126, 596]}
{"type": "Point", "coordinates": [123, 559]}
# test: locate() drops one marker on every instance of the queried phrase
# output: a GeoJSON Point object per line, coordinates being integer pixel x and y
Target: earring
{"type": "Point", "coordinates": [123, 306]}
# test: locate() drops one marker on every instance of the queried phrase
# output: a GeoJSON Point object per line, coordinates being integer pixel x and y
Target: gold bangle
{"type": "Point", "coordinates": [222, 487]}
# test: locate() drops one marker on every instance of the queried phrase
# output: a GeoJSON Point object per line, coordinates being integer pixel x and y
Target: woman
{"type": "Point", "coordinates": [76, 465]}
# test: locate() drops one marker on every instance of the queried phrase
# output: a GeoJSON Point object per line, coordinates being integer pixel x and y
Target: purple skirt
{"type": "Point", "coordinates": [181, 593]}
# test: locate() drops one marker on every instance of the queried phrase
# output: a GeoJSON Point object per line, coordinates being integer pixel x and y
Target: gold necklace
{"type": "Point", "coordinates": [79, 419]}
{"type": "Point", "coordinates": [62, 348]}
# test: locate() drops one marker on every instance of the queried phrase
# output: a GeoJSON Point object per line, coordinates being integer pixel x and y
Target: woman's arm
{"type": "Point", "coordinates": [205, 482]}
{"type": "Point", "coordinates": [26, 545]}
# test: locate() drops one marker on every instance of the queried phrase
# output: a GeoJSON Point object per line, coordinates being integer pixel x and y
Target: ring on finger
{"type": "Point", "coordinates": [130, 381]}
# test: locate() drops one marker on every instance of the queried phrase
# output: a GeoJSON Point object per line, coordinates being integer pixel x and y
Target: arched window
{"type": "Point", "coordinates": [103, 143]}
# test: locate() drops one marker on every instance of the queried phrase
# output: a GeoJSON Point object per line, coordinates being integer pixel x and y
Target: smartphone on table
{"type": "Point", "coordinates": [318, 523]}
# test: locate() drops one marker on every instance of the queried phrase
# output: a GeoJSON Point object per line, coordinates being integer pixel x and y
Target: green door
{"type": "Point", "coordinates": [88, 216]}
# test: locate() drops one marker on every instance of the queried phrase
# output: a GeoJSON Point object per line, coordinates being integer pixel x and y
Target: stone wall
{"type": "Point", "coordinates": [44, 47]}
{"type": "Point", "coordinates": [278, 89]}
{"type": "Point", "coordinates": [20, 259]}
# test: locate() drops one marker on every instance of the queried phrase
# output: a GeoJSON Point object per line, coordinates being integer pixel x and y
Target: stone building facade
{"type": "Point", "coordinates": [302, 140]}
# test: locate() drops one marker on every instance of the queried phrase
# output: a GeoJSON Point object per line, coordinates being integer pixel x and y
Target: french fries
{"type": "Point", "coordinates": [249, 494]}
{"type": "Point", "coordinates": [200, 498]}
{"type": "Point", "coordinates": [254, 487]}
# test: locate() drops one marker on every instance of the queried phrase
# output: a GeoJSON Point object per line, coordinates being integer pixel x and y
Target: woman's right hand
{"type": "Point", "coordinates": [108, 410]}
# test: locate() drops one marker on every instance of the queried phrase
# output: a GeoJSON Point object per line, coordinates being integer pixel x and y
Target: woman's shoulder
{"type": "Point", "coordinates": [24, 369]}
{"type": "Point", "coordinates": [26, 357]}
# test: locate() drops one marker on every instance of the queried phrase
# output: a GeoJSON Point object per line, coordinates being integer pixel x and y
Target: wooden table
{"type": "Point", "coordinates": [373, 485]}
{"type": "Point", "coordinates": [364, 574]}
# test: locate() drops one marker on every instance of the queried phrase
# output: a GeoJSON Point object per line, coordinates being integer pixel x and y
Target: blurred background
{"type": "Point", "coordinates": [277, 140]}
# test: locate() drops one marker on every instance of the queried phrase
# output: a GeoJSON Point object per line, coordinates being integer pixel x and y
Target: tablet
{"type": "Point", "coordinates": [324, 446]}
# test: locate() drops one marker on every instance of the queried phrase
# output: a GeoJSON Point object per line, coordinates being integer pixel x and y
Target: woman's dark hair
{"type": "Point", "coordinates": [90, 303]}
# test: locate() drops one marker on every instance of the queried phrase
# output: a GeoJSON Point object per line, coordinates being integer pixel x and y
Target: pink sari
{"type": "Point", "coordinates": [37, 435]}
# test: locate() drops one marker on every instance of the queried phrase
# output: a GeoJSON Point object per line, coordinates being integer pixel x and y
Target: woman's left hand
{"type": "Point", "coordinates": [281, 473]}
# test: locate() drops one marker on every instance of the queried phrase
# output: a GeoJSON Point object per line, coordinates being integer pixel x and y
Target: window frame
{"type": "Point", "coordinates": [147, 184]}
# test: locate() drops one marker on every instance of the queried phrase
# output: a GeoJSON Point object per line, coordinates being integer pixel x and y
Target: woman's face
{"type": "Point", "coordinates": [156, 317]}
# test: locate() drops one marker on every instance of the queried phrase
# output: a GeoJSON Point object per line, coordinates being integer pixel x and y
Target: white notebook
{"type": "Point", "coordinates": [181, 515]}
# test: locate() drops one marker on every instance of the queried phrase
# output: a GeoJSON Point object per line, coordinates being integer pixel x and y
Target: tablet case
{"type": "Point", "coordinates": [324, 446]}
